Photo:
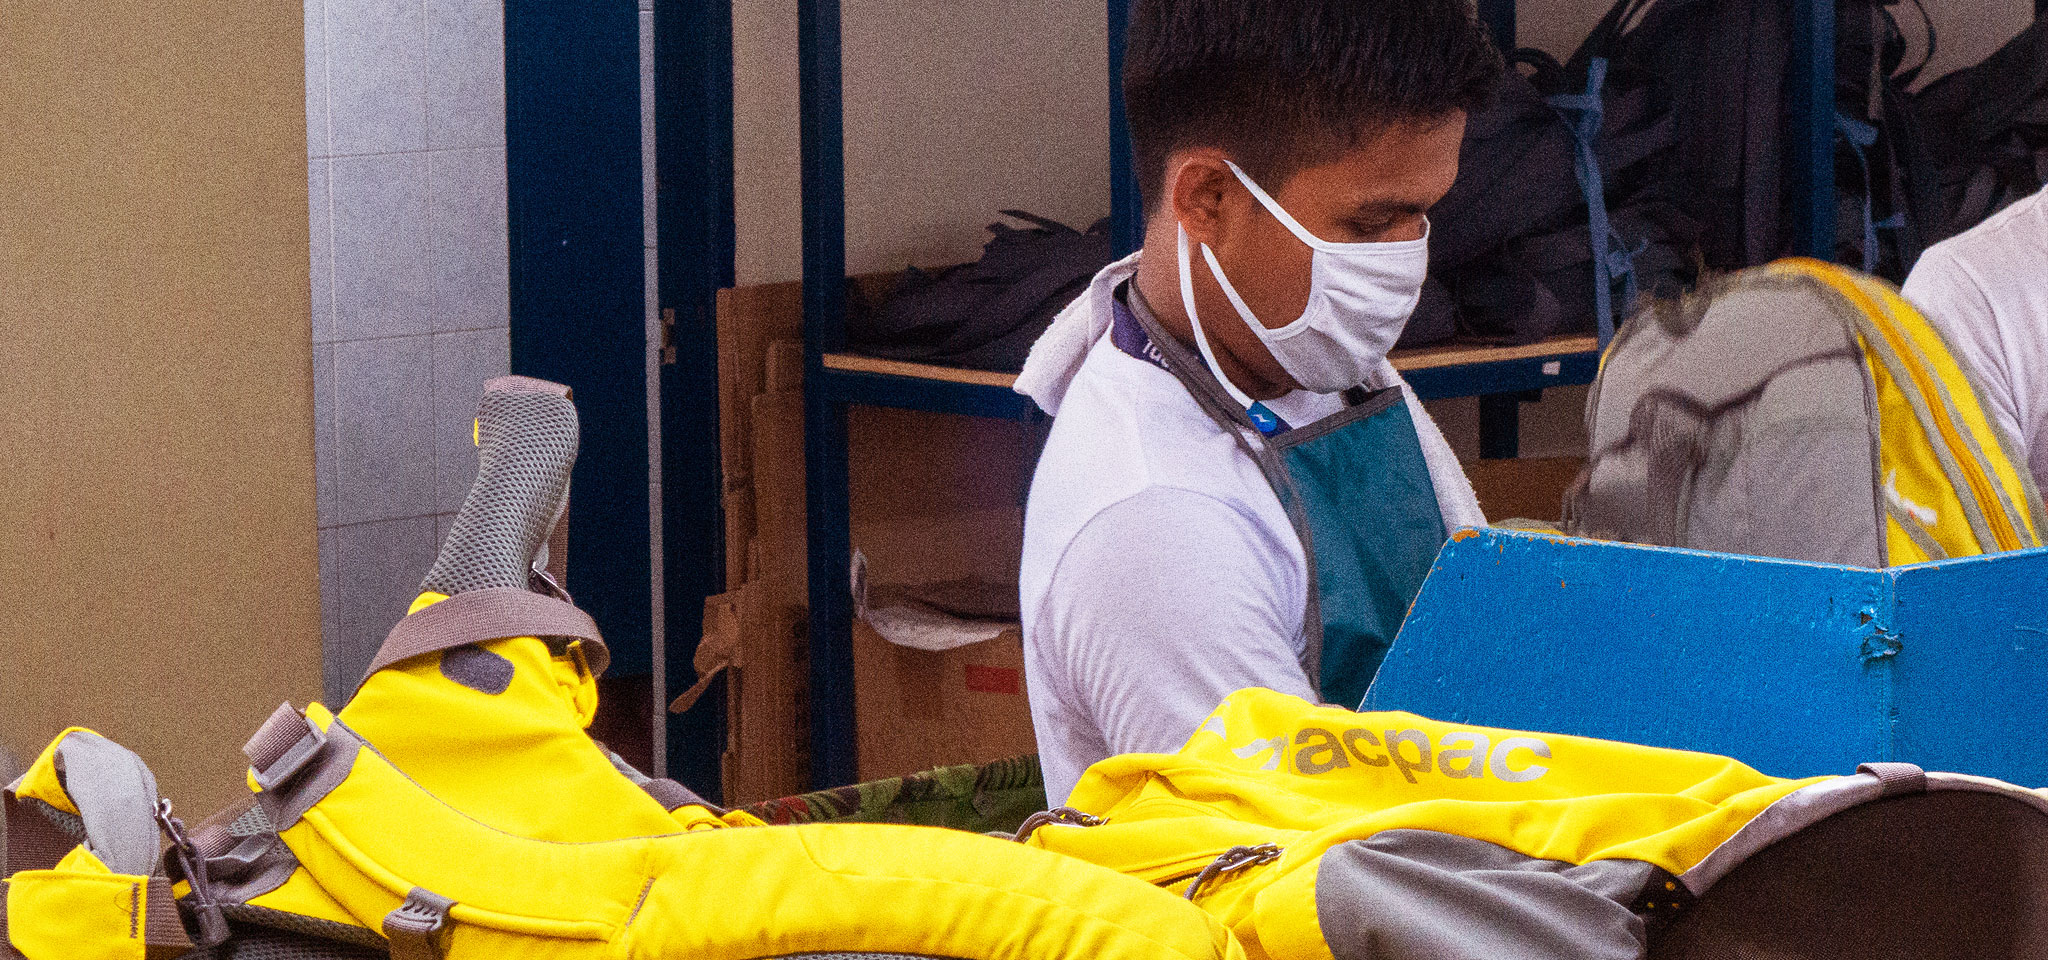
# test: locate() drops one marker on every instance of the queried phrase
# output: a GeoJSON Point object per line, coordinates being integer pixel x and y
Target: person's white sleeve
{"type": "Point", "coordinates": [1955, 303]}
{"type": "Point", "coordinates": [1163, 605]}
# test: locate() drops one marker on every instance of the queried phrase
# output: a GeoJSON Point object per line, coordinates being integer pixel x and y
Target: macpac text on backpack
{"type": "Point", "coordinates": [1459, 755]}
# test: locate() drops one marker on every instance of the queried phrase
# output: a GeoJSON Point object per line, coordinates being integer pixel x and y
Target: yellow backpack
{"type": "Point", "coordinates": [1317, 832]}
{"type": "Point", "coordinates": [1799, 410]}
{"type": "Point", "coordinates": [456, 808]}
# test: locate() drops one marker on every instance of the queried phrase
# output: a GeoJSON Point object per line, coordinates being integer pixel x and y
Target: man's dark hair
{"type": "Point", "coordinates": [1281, 85]}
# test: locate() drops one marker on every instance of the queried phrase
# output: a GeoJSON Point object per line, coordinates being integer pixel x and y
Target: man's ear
{"type": "Point", "coordinates": [1197, 184]}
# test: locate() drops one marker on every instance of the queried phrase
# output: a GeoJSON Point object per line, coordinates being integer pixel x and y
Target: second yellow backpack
{"type": "Point", "coordinates": [1317, 833]}
{"type": "Point", "coordinates": [1799, 410]}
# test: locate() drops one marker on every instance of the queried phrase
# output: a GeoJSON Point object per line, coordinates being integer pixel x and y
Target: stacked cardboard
{"type": "Point", "coordinates": [935, 499]}
{"type": "Point", "coordinates": [754, 632]}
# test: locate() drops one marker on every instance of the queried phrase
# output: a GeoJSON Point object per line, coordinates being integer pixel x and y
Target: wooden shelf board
{"type": "Point", "coordinates": [855, 363]}
{"type": "Point", "coordinates": [1459, 355]}
{"type": "Point", "coordinates": [1426, 358]}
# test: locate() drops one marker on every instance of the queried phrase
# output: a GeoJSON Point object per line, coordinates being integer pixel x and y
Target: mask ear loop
{"type": "Point", "coordinates": [1314, 242]}
{"type": "Point", "coordinates": [1187, 301]}
{"type": "Point", "coordinates": [1244, 311]}
{"type": "Point", "coordinates": [1279, 212]}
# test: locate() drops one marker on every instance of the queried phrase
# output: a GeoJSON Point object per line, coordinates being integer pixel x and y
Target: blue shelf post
{"type": "Point", "coordinates": [578, 284]}
{"type": "Point", "coordinates": [834, 761]}
{"type": "Point", "coordinates": [1811, 130]}
{"type": "Point", "coordinates": [1500, 414]}
{"type": "Point", "coordinates": [1126, 206]}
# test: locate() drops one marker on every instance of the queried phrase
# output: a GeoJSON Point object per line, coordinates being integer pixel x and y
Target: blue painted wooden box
{"type": "Point", "coordinates": [1797, 669]}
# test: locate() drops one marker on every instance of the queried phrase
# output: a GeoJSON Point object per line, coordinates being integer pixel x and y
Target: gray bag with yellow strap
{"type": "Point", "coordinates": [1798, 410]}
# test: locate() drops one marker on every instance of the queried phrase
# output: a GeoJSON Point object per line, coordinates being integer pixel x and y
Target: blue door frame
{"type": "Point", "coordinates": [578, 298]}
{"type": "Point", "coordinates": [578, 301]}
{"type": "Point", "coordinates": [694, 199]}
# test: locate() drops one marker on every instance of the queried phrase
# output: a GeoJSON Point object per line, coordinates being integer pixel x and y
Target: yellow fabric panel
{"type": "Point", "coordinates": [302, 895]}
{"type": "Point", "coordinates": [479, 943]}
{"type": "Point", "coordinates": [571, 670]}
{"type": "Point", "coordinates": [502, 804]}
{"type": "Point", "coordinates": [916, 890]}
{"type": "Point", "coordinates": [693, 817]}
{"type": "Point", "coordinates": [1908, 468]}
{"type": "Point", "coordinates": [78, 911]}
{"type": "Point", "coordinates": [426, 599]}
{"type": "Point", "coordinates": [741, 818]}
{"type": "Point", "coordinates": [377, 835]}
{"type": "Point", "coordinates": [1278, 920]}
{"type": "Point", "coordinates": [520, 760]}
{"type": "Point", "coordinates": [2006, 464]}
{"type": "Point", "coordinates": [41, 782]}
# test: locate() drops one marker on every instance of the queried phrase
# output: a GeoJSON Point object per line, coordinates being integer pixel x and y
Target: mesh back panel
{"type": "Point", "coordinates": [252, 921]}
{"type": "Point", "coordinates": [72, 824]}
{"type": "Point", "coordinates": [273, 945]}
{"type": "Point", "coordinates": [1934, 876]}
{"type": "Point", "coordinates": [527, 445]}
{"type": "Point", "coordinates": [252, 823]}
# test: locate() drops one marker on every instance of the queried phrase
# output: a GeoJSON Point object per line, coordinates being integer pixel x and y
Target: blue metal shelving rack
{"type": "Point", "coordinates": [1500, 379]}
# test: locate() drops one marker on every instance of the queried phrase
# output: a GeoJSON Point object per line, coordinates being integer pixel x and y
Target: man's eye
{"type": "Point", "coordinates": [1371, 229]}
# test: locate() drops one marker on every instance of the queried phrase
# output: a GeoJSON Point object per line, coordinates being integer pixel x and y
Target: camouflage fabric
{"type": "Point", "coordinates": [993, 797]}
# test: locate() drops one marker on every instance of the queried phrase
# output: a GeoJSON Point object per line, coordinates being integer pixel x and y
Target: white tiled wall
{"type": "Point", "coordinates": [405, 135]}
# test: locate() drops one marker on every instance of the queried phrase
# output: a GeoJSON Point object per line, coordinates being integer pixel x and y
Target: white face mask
{"type": "Point", "coordinates": [1360, 296]}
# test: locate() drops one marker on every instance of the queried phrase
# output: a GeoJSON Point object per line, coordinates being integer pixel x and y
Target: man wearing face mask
{"type": "Point", "coordinates": [1239, 490]}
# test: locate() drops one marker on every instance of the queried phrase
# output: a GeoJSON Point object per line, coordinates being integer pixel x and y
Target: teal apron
{"type": "Point", "coordinates": [1357, 491]}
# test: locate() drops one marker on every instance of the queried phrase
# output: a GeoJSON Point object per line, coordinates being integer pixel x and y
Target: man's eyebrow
{"type": "Point", "coordinates": [1385, 205]}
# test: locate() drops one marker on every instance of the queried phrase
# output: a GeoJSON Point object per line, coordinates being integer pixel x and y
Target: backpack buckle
{"type": "Point", "coordinates": [284, 746]}
{"type": "Point", "coordinates": [418, 929]}
{"type": "Point", "coordinates": [191, 867]}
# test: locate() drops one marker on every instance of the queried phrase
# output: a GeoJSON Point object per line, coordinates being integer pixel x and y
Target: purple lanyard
{"type": "Point", "coordinates": [1128, 335]}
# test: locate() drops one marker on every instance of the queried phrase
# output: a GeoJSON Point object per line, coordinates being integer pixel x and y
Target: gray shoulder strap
{"type": "Point", "coordinates": [480, 616]}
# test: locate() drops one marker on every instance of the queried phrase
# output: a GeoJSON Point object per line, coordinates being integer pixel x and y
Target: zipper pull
{"type": "Point", "coordinates": [1064, 816]}
{"type": "Point", "coordinates": [1233, 860]}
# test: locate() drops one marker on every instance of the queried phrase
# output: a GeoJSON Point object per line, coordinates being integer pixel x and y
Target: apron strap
{"type": "Point", "coordinates": [1217, 403]}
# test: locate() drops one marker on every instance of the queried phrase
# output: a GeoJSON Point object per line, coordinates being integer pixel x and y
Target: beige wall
{"type": "Point", "coordinates": [157, 552]}
{"type": "Point", "coordinates": [952, 114]}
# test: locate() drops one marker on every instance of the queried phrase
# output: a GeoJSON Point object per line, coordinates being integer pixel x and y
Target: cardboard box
{"type": "Point", "coordinates": [917, 710]}
{"type": "Point", "coordinates": [1524, 489]}
{"type": "Point", "coordinates": [934, 498]}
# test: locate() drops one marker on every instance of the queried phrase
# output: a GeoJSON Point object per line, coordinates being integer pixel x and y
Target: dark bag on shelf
{"type": "Point", "coordinates": [986, 314]}
{"type": "Point", "coordinates": [1992, 126]}
{"type": "Point", "coordinates": [1512, 246]}
{"type": "Point", "coordinates": [1719, 69]}
{"type": "Point", "coordinates": [1889, 191]}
